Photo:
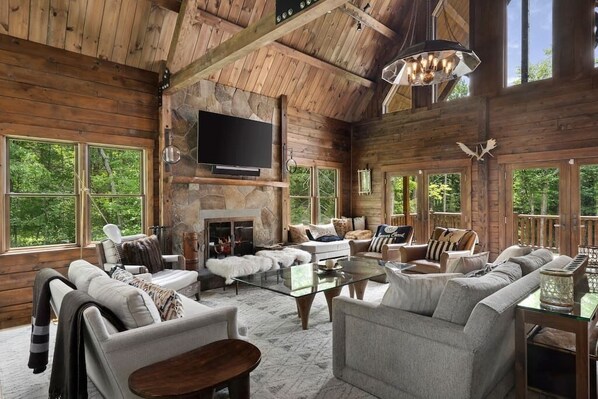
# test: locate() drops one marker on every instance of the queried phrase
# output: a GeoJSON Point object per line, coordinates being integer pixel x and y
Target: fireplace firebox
{"type": "Point", "coordinates": [229, 238]}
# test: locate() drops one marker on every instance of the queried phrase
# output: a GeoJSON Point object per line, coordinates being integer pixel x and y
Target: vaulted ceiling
{"type": "Point", "coordinates": [327, 66]}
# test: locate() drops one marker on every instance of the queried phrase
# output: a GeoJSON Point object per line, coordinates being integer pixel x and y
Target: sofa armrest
{"type": "Point", "coordinates": [449, 258]}
{"type": "Point", "coordinates": [117, 355]}
{"type": "Point", "coordinates": [133, 269]}
{"type": "Point", "coordinates": [413, 252]}
{"type": "Point", "coordinates": [177, 261]}
{"type": "Point", "coordinates": [392, 252]}
{"type": "Point", "coordinates": [358, 246]}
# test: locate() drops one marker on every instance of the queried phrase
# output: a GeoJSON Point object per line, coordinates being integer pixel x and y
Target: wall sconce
{"type": "Point", "coordinates": [291, 164]}
{"type": "Point", "coordinates": [364, 179]}
{"type": "Point", "coordinates": [171, 154]}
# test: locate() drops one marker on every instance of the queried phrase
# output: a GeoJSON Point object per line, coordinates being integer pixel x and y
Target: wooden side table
{"type": "Point", "coordinates": [196, 374]}
{"type": "Point", "coordinates": [578, 321]}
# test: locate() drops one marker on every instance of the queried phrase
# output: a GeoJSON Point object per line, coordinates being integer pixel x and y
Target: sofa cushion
{"type": "Point", "coordinates": [470, 263]}
{"type": "Point", "coordinates": [318, 230]}
{"type": "Point", "coordinates": [532, 261]}
{"type": "Point", "coordinates": [436, 248]}
{"type": "Point", "coordinates": [511, 252]}
{"type": "Point", "coordinates": [315, 247]}
{"type": "Point", "coordinates": [378, 242]}
{"type": "Point", "coordinates": [359, 223]}
{"type": "Point", "coordinates": [341, 226]}
{"type": "Point", "coordinates": [81, 273]}
{"type": "Point", "coordinates": [131, 305]}
{"type": "Point", "coordinates": [297, 233]}
{"type": "Point", "coordinates": [462, 294]}
{"type": "Point", "coordinates": [144, 251]}
{"type": "Point", "coordinates": [174, 279]}
{"type": "Point", "coordinates": [452, 235]}
{"type": "Point", "coordinates": [416, 293]}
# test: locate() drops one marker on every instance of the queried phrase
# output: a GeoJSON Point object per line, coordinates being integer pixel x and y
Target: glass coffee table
{"type": "Point", "coordinates": [303, 282]}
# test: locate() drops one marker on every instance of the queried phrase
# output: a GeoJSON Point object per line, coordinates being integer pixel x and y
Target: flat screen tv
{"type": "Point", "coordinates": [231, 141]}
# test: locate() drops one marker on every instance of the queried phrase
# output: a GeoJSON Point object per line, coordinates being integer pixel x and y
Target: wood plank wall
{"type": "Point", "coordinates": [51, 93]}
{"type": "Point", "coordinates": [323, 141]}
{"type": "Point", "coordinates": [552, 115]}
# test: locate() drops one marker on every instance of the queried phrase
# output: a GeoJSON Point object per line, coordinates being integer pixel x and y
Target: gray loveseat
{"type": "Point", "coordinates": [393, 353]}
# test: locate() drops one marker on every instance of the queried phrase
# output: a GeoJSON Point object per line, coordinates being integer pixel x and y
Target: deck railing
{"type": "Point", "coordinates": [543, 230]}
{"type": "Point", "coordinates": [443, 219]}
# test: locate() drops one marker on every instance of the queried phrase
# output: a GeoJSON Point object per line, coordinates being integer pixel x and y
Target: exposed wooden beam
{"type": "Point", "coordinates": [255, 36]}
{"type": "Point", "coordinates": [205, 17]}
{"type": "Point", "coordinates": [370, 21]}
{"type": "Point", "coordinates": [446, 6]}
{"type": "Point", "coordinates": [172, 5]}
{"type": "Point", "coordinates": [184, 10]}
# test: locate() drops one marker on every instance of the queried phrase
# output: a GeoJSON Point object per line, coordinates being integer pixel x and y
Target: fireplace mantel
{"type": "Point", "coordinates": [227, 182]}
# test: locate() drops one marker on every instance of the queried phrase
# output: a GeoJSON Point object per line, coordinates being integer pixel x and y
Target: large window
{"type": "Point", "coordinates": [529, 41]}
{"type": "Point", "coordinates": [45, 182]}
{"type": "Point", "coordinates": [313, 195]}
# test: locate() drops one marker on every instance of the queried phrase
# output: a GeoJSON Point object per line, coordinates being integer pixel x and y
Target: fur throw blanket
{"type": "Point", "coordinates": [286, 257]}
{"type": "Point", "coordinates": [234, 266]}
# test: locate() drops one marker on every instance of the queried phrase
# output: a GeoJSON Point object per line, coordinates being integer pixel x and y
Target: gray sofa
{"type": "Point", "coordinates": [393, 353]}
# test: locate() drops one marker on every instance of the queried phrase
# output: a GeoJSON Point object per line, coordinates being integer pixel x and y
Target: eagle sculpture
{"type": "Point", "coordinates": [484, 149]}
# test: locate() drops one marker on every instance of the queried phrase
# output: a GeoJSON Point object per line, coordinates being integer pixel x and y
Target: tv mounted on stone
{"type": "Point", "coordinates": [232, 145]}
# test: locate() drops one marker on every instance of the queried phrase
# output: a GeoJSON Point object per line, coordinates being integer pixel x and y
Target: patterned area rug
{"type": "Point", "coordinates": [296, 364]}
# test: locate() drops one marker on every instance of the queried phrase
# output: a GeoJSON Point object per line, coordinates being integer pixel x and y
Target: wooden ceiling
{"type": "Point", "coordinates": [327, 66]}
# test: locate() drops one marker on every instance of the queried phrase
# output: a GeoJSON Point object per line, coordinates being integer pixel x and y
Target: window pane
{"type": "Point", "coordinates": [444, 199]}
{"type": "Point", "coordinates": [327, 209]}
{"type": "Point", "coordinates": [460, 90]}
{"type": "Point", "coordinates": [300, 182]}
{"type": "Point", "coordinates": [115, 171]}
{"type": "Point", "coordinates": [41, 221]}
{"type": "Point", "coordinates": [327, 182]}
{"type": "Point", "coordinates": [40, 167]}
{"type": "Point", "coordinates": [589, 205]}
{"type": "Point", "coordinates": [536, 207]}
{"type": "Point", "coordinates": [539, 40]}
{"type": "Point", "coordinates": [300, 210]}
{"type": "Point", "coordinates": [125, 212]}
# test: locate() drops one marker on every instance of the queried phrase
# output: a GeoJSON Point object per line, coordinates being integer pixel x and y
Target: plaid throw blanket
{"type": "Point", "coordinates": [69, 376]}
{"type": "Point", "coordinates": [40, 318]}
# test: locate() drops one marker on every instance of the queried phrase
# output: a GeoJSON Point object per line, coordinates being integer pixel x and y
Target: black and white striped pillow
{"type": "Point", "coordinates": [435, 248]}
{"type": "Point", "coordinates": [378, 242]}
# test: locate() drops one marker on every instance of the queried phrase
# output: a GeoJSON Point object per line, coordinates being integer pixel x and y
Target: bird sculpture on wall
{"type": "Point", "coordinates": [483, 149]}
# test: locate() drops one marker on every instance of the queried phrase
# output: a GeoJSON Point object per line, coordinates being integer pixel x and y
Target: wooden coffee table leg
{"type": "Point", "coordinates": [304, 305]}
{"type": "Point", "coordinates": [360, 288]}
{"type": "Point", "coordinates": [331, 293]}
{"type": "Point", "coordinates": [239, 388]}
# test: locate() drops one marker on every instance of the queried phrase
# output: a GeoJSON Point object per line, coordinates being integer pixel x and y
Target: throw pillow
{"type": "Point", "coordinates": [341, 226]}
{"type": "Point", "coordinates": [467, 264]}
{"type": "Point", "coordinates": [297, 233]}
{"type": "Point", "coordinates": [417, 293]}
{"type": "Point", "coordinates": [359, 235]}
{"type": "Point", "coordinates": [167, 301]}
{"type": "Point", "coordinates": [436, 248]}
{"type": "Point", "coordinates": [511, 252]}
{"type": "Point", "coordinates": [318, 230]}
{"type": "Point", "coordinates": [121, 275]}
{"type": "Point", "coordinates": [452, 235]}
{"type": "Point", "coordinates": [378, 242]}
{"type": "Point", "coordinates": [328, 238]}
{"type": "Point", "coordinates": [359, 223]}
{"type": "Point", "coordinates": [400, 234]}
{"type": "Point", "coordinates": [144, 251]}
{"type": "Point", "coordinates": [532, 261]}
{"type": "Point", "coordinates": [462, 294]}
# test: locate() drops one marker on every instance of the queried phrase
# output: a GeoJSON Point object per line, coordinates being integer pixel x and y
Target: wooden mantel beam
{"type": "Point", "coordinates": [205, 17]}
{"type": "Point", "coordinates": [367, 19]}
{"type": "Point", "coordinates": [255, 36]}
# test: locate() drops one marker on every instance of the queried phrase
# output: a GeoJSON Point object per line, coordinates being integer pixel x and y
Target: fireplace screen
{"type": "Point", "coordinates": [230, 238]}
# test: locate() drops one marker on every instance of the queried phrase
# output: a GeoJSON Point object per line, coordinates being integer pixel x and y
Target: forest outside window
{"type": "Point", "coordinates": [43, 192]}
{"type": "Point", "coordinates": [313, 195]}
{"type": "Point", "coordinates": [529, 41]}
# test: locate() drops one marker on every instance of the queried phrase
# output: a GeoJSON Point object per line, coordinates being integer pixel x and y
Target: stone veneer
{"type": "Point", "coordinates": [187, 200]}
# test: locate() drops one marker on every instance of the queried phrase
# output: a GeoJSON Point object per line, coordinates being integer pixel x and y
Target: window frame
{"type": "Point", "coordinates": [82, 208]}
{"type": "Point", "coordinates": [315, 192]}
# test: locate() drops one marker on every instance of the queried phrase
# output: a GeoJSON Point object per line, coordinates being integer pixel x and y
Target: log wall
{"type": "Point", "coordinates": [556, 116]}
{"type": "Point", "coordinates": [50, 93]}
